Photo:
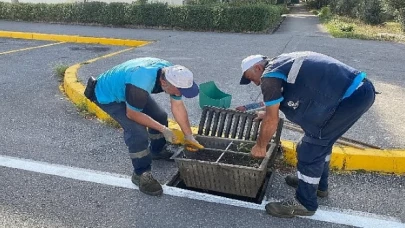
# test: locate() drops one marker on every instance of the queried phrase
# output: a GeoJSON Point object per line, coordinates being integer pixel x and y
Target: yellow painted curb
{"type": "Point", "coordinates": [73, 39]}
{"type": "Point", "coordinates": [352, 159]}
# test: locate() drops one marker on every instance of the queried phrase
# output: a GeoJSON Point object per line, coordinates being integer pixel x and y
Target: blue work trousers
{"type": "Point", "coordinates": [313, 157]}
{"type": "Point", "coordinates": [140, 141]}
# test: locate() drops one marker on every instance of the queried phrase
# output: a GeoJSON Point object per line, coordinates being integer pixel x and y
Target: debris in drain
{"type": "Point", "coordinates": [203, 155]}
{"type": "Point", "coordinates": [244, 147]}
{"type": "Point", "coordinates": [241, 159]}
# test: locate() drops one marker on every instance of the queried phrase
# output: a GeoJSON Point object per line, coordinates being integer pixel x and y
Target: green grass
{"type": "Point", "coordinates": [112, 123]}
{"type": "Point", "coordinates": [60, 71]}
{"type": "Point", "coordinates": [84, 111]}
{"type": "Point", "coordinates": [344, 27]}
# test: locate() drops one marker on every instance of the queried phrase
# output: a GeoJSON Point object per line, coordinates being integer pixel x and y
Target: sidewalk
{"type": "Point", "coordinates": [300, 22]}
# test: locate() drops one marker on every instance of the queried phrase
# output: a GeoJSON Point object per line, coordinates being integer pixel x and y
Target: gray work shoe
{"type": "Point", "coordinates": [147, 184]}
{"type": "Point", "coordinates": [288, 209]}
{"type": "Point", "coordinates": [293, 182]}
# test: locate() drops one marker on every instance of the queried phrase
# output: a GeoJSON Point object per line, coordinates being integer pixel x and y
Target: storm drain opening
{"type": "Point", "coordinates": [177, 182]}
{"type": "Point", "coordinates": [211, 173]}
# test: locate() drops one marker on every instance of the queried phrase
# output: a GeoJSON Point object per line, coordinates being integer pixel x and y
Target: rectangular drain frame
{"type": "Point", "coordinates": [177, 182]}
{"type": "Point", "coordinates": [230, 128]}
{"type": "Point", "coordinates": [262, 194]}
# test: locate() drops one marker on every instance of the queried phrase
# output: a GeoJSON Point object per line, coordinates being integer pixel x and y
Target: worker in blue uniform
{"type": "Point", "coordinates": [325, 97]}
{"type": "Point", "coordinates": [124, 92]}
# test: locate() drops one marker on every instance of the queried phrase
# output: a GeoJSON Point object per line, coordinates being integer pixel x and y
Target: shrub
{"type": "Point", "coordinates": [370, 11]}
{"type": "Point", "coordinates": [219, 17]}
{"type": "Point", "coordinates": [200, 17]}
{"type": "Point", "coordinates": [402, 18]}
{"type": "Point", "coordinates": [252, 2]}
{"type": "Point", "coordinates": [317, 4]}
{"type": "Point", "coordinates": [389, 13]}
{"type": "Point", "coordinates": [345, 7]}
{"type": "Point", "coordinates": [325, 14]}
{"type": "Point", "coordinates": [116, 14]}
{"type": "Point", "coordinates": [399, 5]}
{"type": "Point", "coordinates": [396, 4]}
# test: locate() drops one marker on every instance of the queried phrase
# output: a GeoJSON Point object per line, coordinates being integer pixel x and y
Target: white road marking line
{"type": "Point", "coordinates": [30, 48]}
{"type": "Point", "coordinates": [331, 215]}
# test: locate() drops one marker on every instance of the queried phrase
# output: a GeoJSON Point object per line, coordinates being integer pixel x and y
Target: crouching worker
{"type": "Point", "coordinates": [124, 92]}
{"type": "Point", "coordinates": [325, 97]}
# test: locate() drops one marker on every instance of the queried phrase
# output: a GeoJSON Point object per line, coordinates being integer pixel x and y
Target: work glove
{"type": "Point", "coordinates": [169, 135]}
{"type": "Point", "coordinates": [192, 144]}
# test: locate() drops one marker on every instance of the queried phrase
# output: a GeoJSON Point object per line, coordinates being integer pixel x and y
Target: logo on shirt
{"type": "Point", "coordinates": [293, 105]}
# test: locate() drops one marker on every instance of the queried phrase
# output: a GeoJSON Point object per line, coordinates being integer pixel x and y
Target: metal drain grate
{"type": "Point", "coordinates": [227, 123]}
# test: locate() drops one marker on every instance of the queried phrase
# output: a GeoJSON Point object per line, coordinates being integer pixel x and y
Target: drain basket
{"type": "Point", "coordinates": [222, 175]}
{"type": "Point", "coordinates": [223, 133]}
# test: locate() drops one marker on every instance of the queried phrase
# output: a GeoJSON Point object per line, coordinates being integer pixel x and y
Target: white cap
{"type": "Point", "coordinates": [182, 78]}
{"type": "Point", "coordinates": [249, 61]}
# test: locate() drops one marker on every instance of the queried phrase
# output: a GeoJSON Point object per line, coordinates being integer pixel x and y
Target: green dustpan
{"type": "Point", "coordinates": [210, 95]}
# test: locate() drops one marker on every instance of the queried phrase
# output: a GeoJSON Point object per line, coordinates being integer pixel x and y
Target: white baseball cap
{"type": "Point", "coordinates": [182, 78]}
{"type": "Point", "coordinates": [247, 63]}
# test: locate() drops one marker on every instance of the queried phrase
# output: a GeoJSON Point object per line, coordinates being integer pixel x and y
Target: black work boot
{"type": "Point", "coordinates": [147, 184]}
{"type": "Point", "coordinates": [293, 182]}
{"type": "Point", "coordinates": [288, 209]}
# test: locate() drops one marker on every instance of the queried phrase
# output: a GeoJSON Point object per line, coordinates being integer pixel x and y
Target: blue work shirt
{"type": "Point", "coordinates": [309, 87]}
{"type": "Point", "coordinates": [131, 82]}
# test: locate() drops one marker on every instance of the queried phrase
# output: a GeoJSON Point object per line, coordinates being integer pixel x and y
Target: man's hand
{"type": "Point", "coordinates": [169, 135]}
{"type": "Point", "coordinates": [260, 115]}
{"type": "Point", "coordinates": [192, 144]}
{"type": "Point", "coordinates": [258, 152]}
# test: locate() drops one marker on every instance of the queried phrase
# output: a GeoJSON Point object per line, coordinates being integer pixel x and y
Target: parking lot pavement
{"type": "Point", "coordinates": [39, 123]}
{"type": "Point", "coordinates": [217, 56]}
{"type": "Point", "coordinates": [378, 126]}
{"type": "Point", "coordinates": [37, 200]}
{"type": "Point", "coordinates": [37, 120]}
